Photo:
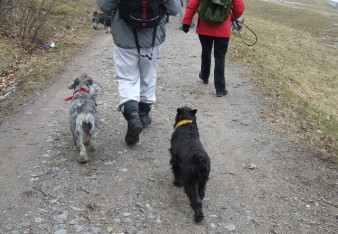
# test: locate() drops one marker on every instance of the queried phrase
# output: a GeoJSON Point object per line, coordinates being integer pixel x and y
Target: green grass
{"type": "Point", "coordinates": [295, 66]}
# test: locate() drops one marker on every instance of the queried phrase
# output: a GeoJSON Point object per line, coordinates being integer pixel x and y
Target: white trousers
{"type": "Point", "coordinates": [136, 75]}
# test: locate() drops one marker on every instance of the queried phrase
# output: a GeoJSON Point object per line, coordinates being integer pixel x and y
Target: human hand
{"type": "Point", "coordinates": [185, 28]}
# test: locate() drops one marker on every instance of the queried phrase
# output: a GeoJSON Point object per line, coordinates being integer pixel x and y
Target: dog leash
{"type": "Point", "coordinates": [236, 23]}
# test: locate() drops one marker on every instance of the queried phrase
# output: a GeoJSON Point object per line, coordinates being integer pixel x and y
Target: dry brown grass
{"type": "Point", "coordinates": [37, 69]}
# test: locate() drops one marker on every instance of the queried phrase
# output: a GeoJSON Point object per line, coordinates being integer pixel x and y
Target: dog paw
{"type": "Point", "coordinates": [198, 217]}
{"type": "Point", "coordinates": [201, 196]}
{"type": "Point", "coordinates": [82, 158]}
{"type": "Point", "coordinates": [91, 147]}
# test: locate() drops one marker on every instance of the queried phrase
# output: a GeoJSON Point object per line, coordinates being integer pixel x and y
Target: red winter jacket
{"type": "Point", "coordinates": [203, 28]}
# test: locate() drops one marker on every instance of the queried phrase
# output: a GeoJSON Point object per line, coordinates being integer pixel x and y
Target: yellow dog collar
{"type": "Point", "coordinates": [182, 122]}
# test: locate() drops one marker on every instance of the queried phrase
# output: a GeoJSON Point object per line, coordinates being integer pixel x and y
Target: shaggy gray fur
{"type": "Point", "coordinates": [84, 119]}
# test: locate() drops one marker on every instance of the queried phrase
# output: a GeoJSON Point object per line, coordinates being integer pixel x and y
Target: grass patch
{"type": "Point", "coordinates": [295, 64]}
{"type": "Point", "coordinates": [8, 55]}
{"type": "Point", "coordinates": [39, 69]}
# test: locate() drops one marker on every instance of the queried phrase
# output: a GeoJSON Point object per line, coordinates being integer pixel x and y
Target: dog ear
{"type": "Point", "coordinates": [194, 111]}
{"type": "Point", "coordinates": [179, 110]}
{"type": "Point", "coordinates": [75, 84]}
{"type": "Point", "coordinates": [89, 82]}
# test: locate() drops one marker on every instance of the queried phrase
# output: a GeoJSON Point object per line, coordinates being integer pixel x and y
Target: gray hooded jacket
{"type": "Point", "coordinates": [123, 35]}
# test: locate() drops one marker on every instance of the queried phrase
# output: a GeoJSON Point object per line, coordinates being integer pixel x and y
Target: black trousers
{"type": "Point", "coordinates": [220, 49]}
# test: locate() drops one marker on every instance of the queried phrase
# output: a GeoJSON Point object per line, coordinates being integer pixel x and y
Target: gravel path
{"type": "Point", "coordinates": [260, 182]}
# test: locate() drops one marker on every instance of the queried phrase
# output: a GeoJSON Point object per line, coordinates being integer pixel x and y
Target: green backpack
{"type": "Point", "coordinates": [214, 11]}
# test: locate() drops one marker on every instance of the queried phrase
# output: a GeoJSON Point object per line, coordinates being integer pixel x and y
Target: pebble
{"type": "Point", "coordinates": [252, 166]}
{"type": "Point", "coordinates": [60, 218]}
{"type": "Point", "coordinates": [61, 231]}
{"type": "Point", "coordinates": [230, 227]}
{"type": "Point", "coordinates": [150, 209]}
{"type": "Point", "coordinates": [158, 220]}
{"type": "Point", "coordinates": [123, 170]}
{"type": "Point", "coordinates": [117, 220]}
{"type": "Point", "coordinates": [79, 228]}
{"type": "Point", "coordinates": [76, 208]}
{"type": "Point", "coordinates": [95, 230]}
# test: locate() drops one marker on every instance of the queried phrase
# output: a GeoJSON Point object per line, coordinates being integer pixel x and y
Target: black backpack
{"type": "Point", "coordinates": [140, 14]}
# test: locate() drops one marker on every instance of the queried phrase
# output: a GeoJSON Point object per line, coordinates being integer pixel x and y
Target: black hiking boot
{"type": "Point", "coordinates": [130, 113]}
{"type": "Point", "coordinates": [144, 109]}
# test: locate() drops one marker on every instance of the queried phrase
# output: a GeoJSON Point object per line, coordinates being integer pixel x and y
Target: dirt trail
{"type": "Point", "coordinates": [260, 181]}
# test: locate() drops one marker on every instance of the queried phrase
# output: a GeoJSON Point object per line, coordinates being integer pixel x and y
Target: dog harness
{"type": "Point", "coordinates": [79, 91]}
{"type": "Point", "coordinates": [182, 122]}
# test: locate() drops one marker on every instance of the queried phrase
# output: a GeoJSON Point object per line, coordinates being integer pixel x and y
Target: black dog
{"type": "Point", "coordinates": [102, 18]}
{"type": "Point", "coordinates": [190, 163]}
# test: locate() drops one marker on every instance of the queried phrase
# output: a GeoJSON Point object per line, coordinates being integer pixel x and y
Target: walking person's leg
{"type": "Point", "coordinates": [220, 49]}
{"type": "Point", "coordinates": [148, 71]}
{"type": "Point", "coordinates": [128, 79]}
{"type": "Point", "coordinates": [127, 75]}
{"type": "Point", "coordinates": [206, 44]}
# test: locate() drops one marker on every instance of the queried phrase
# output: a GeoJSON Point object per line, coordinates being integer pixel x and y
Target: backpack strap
{"type": "Point", "coordinates": [152, 43]}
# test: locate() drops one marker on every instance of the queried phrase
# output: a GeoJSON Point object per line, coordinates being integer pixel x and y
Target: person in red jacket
{"type": "Point", "coordinates": [213, 35]}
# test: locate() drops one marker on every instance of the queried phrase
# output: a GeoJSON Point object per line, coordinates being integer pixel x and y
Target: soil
{"type": "Point", "coordinates": [260, 180]}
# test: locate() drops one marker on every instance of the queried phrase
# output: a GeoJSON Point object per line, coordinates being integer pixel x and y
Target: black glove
{"type": "Point", "coordinates": [185, 28]}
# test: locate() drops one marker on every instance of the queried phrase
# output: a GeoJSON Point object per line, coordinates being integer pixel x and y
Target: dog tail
{"type": "Point", "coordinates": [201, 160]}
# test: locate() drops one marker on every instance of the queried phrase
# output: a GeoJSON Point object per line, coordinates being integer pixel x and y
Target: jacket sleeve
{"type": "Point", "coordinates": [107, 5]}
{"type": "Point", "coordinates": [173, 7]}
{"type": "Point", "coordinates": [190, 11]}
{"type": "Point", "coordinates": [237, 9]}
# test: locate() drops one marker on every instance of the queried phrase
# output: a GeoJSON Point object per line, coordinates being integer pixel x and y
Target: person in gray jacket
{"type": "Point", "coordinates": [135, 73]}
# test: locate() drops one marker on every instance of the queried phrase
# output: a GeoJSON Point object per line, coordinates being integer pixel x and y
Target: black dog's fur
{"type": "Point", "coordinates": [189, 162]}
{"type": "Point", "coordinates": [102, 18]}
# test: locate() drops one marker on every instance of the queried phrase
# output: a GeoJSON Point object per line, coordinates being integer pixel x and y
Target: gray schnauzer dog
{"type": "Point", "coordinates": [190, 163]}
{"type": "Point", "coordinates": [84, 120]}
{"type": "Point", "coordinates": [102, 18]}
